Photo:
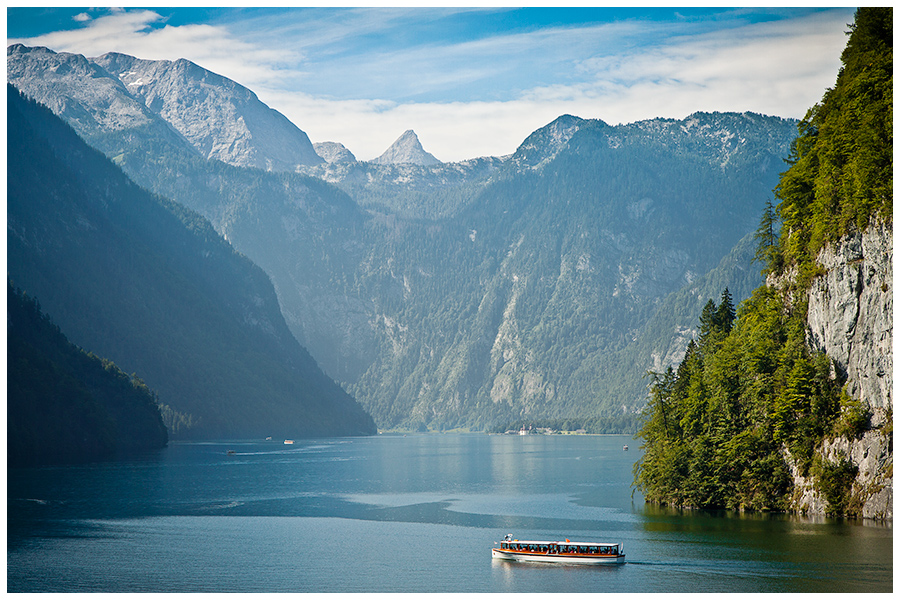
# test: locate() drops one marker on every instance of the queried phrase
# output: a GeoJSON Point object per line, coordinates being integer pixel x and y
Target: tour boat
{"type": "Point", "coordinates": [574, 553]}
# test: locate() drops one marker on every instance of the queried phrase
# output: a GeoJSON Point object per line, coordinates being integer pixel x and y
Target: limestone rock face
{"type": "Point", "coordinates": [850, 318]}
{"type": "Point", "coordinates": [850, 315]}
{"type": "Point", "coordinates": [177, 101]}
{"type": "Point", "coordinates": [222, 119]}
{"type": "Point", "coordinates": [76, 89]}
{"type": "Point", "coordinates": [334, 152]}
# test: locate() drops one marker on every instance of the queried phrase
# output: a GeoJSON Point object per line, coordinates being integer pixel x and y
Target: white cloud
{"type": "Point", "coordinates": [503, 87]}
{"type": "Point", "coordinates": [779, 68]}
{"type": "Point", "coordinates": [138, 33]}
{"type": "Point", "coordinates": [450, 131]}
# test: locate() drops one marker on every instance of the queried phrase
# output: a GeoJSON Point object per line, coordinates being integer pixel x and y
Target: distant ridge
{"type": "Point", "coordinates": [162, 100]}
{"type": "Point", "coordinates": [334, 152]}
{"type": "Point", "coordinates": [407, 150]}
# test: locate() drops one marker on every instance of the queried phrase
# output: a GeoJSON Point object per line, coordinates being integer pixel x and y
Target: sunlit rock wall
{"type": "Point", "coordinates": [850, 318]}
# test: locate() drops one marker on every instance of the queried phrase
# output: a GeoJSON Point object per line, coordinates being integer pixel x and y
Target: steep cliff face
{"type": "Point", "coordinates": [850, 318]}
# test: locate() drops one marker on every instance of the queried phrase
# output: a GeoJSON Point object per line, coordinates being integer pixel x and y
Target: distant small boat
{"type": "Point", "coordinates": [625, 447]}
{"type": "Point", "coordinates": [230, 452]}
{"type": "Point", "coordinates": [288, 441]}
{"type": "Point", "coordinates": [573, 553]}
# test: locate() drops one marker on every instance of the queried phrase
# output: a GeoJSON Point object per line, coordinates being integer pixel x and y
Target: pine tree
{"type": "Point", "coordinates": [707, 321]}
{"type": "Point", "coordinates": [725, 313]}
{"type": "Point", "coordinates": [766, 236]}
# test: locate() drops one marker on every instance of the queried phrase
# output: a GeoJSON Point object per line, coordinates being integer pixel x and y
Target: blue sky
{"type": "Point", "coordinates": [474, 81]}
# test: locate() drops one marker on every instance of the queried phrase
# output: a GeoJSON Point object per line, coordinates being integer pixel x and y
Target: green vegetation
{"type": "Point", "coordinates": [64, 404]}
{"type": "Point", "coordinates": [716, 428]}
{"type": "Point", "coordinates": [841, 173]}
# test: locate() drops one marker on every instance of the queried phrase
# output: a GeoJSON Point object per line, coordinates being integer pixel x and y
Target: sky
{"type": "Point", "coordinates": [474, 81]}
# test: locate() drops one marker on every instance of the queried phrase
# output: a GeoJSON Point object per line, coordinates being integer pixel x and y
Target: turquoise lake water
{"type": "Point", "coordinates": [416, 513]}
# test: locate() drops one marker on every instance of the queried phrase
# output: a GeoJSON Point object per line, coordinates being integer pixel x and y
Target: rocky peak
{"type": "Point", "coordinates": [222, 119]}
{"type": "Point", "coordinates": [211, 114]}
{"type": "Point", "coordinates": [334, 152]}
{"type": "Point", "coordinates": [406, 150]}
{"type": "Point", "coordinates": [73, 87]}
{"type": "Point", "coordinates": [544, 144]}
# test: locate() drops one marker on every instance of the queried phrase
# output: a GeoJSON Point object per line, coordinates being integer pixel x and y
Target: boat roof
{"type": "Point", "coordinates": [564, 542]}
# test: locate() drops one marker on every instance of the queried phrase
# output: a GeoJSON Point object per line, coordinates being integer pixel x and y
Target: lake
{"type": "Point", "coordinates": [393, 513]}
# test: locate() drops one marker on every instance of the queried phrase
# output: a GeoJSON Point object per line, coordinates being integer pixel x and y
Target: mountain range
{"type": "Point", "coordinates": [539, 285]}
{"type": "Point", "coordinates": [149, 97]}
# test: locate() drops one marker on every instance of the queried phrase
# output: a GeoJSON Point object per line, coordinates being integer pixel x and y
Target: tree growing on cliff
{"type": "Point", "coordinates": [841, 164]}
{"type": "Point", "coordinates": [745, 394]}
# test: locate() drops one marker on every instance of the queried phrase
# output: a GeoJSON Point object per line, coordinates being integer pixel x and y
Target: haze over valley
{"type": "Point", "coordinates": [536, 286]}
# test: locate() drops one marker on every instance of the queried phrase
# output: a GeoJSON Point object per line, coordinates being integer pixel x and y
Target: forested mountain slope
{"type": "Point", "coordinates": [512, 306]}
{"type": "Point", "coordinates": [64, 405]}
{"type": "Point", "coordinates": [149, 284]}
{"type": "Point", "coordinates": [789, 407]}
{"type": "Point", "coordinates": [495, 289]}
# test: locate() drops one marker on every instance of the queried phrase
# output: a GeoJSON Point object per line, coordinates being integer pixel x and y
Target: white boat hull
{"type": "Point", "coordinates": [556, 558]}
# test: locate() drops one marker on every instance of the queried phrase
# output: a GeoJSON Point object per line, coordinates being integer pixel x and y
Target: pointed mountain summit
{"type": "Point", "coordinates": [406, 150]}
